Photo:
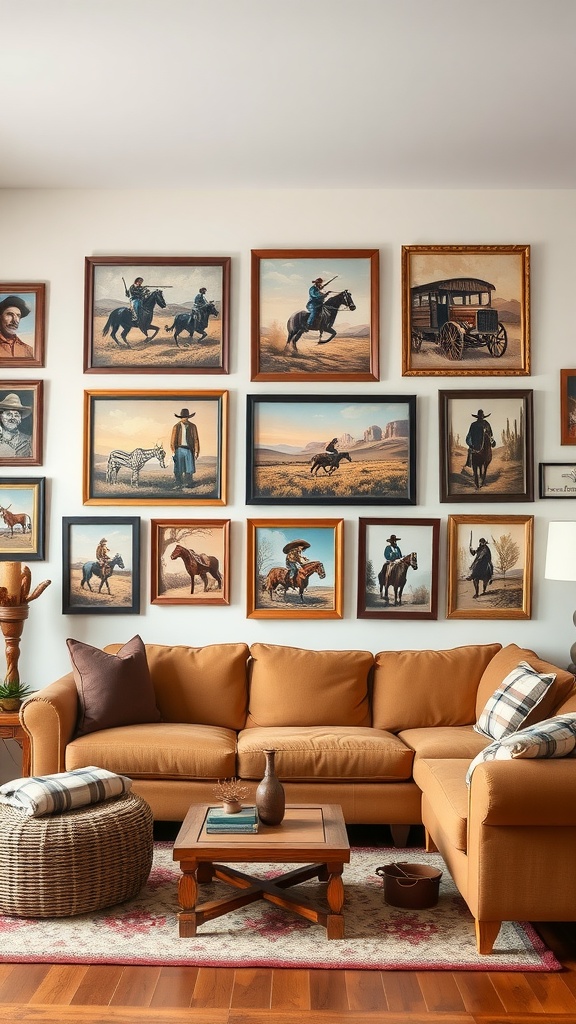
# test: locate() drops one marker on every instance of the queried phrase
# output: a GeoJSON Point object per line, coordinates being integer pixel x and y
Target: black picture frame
{"type": "Point", "coordinates": [376, 432]}
{"type": "Point", "coordinates": [80, 536]}
{"type": "Point", "coordinates": [550, 477]}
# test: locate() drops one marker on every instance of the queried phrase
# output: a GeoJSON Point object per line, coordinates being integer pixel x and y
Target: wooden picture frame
{"type": "Point", "coordinates": [411, 588]}
{"type": "Point", "coordinates": [183, 323]}
{"type": "Point", "coordinates": [22, 324]}
{"type": "Point", "coordinates": [90, 584]}
{"type": "Point", "coordinates": [21, 422]}
{"type": "Point", "coordinates": [502, 590]}
{"type": "Point", "coordinates": [465, 310]}
{"type": "Point", "coordinates": [567, 406]}
{"type": "Point", "coordinates": [283, 283]}
{"type": "Point", "coordinates": [128, 457]}
{"type": "Point", "coordinates": [190, 561]}
{"type": "Point", "coordinates": [22, 518]}
{"type": "Point", "coordinates": [557, 479]}
{"type": "Point", "coordinates": [319, 586]}
{"type": "Point", "coordinates": [486, 445]}
{"type": "Point", "coordinates": [286, 437]}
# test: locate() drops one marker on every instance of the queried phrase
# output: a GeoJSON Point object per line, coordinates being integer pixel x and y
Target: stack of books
{"type": "Point", "coordinates": [245, 820]}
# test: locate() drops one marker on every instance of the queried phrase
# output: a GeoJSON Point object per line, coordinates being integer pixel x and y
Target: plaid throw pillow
{"type": "Point", "coordinates": [556, 737]}
{"type": "Point", "coordinates": [64, 791]}
{"type": "Point", "coordinates": [520, 692]}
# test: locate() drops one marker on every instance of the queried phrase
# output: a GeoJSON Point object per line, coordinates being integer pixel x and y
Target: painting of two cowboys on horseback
{"type": "Point", "coordinates": [486, 445]}
{"type": "Point", "coordinates": [314, 314]}
{"type": "Point", "coordinates": [156, 315]}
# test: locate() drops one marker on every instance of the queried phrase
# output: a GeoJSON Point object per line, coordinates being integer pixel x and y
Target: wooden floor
{"type": "Point", "coordinates": [62, 994]}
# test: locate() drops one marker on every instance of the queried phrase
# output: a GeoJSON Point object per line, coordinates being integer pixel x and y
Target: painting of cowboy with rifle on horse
{"type": "Point", "coordinates": [161, 315]}
{"type": "Point", "coordinates": [303, 329]}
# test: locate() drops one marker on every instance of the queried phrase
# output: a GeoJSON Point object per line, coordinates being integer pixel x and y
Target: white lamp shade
{"type": "Point", "coordinates": [561, 552]}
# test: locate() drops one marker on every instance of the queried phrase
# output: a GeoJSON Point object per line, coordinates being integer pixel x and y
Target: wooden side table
{"type": "Point", "coordinates": [10, 729]}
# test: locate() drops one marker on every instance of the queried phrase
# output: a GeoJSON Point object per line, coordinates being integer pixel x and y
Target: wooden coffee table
{"type": "Point", "coordinates": [313, 835]}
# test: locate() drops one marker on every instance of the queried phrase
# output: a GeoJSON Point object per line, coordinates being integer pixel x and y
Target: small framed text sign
{"type": "Point", "coordinates": [557, 479]}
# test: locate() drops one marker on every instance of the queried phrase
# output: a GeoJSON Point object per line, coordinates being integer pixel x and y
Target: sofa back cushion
{"type": "Point", "coordinates": [290, 686]}
{"type": "Point", "coordinates": [199, 685]}
{"type": "Point", "coordinates": [414, 689]}
{"type": "Point", "coordinates": [504, 662]}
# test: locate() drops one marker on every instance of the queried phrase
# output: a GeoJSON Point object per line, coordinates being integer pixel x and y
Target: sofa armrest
{"type": "Point", "coordinates": [537, 792]}
{"type": "Point", "coordinates": [49, 717]}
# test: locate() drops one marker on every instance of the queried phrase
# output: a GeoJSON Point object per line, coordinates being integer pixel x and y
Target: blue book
{"type": "Point", "coordinates": [247, 816]}
{"type": "Point", "coordinates": [231, 829]}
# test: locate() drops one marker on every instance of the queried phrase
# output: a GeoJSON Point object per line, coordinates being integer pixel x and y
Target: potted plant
{"type": "Point", "coordinates": [12, 693]}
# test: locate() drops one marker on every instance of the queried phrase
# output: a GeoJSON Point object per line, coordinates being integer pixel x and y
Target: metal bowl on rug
{"type": "Point", "coordinates": [412, 886]}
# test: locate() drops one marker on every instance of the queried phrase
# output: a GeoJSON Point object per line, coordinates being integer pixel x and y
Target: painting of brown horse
{"type": "Point", "coordinates": [397, 573]}
{"type": "Point", "coordinates": [198, 565]}
{"type": "Point", "coordinates": [280, 578]}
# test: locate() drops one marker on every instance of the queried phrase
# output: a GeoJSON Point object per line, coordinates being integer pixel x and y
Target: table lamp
{"type": "Point", "coordinates": [561, 563]}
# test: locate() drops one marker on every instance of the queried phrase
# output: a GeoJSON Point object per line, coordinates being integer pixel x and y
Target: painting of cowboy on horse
{"type": "Point", "coordinates": [490, 566]}
{"type": "Point", "coordinates": [317, 316]}
{"type": "Point", "coordinates": [398, 581]}
{"type": "Point", "coordinates": [294, 575]}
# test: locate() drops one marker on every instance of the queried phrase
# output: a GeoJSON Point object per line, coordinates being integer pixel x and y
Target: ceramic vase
{"type": "Point", "coordinates": [270, 797]}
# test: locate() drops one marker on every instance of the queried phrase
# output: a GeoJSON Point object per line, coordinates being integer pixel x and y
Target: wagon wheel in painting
{"type": "Point", "coordinates": [417, 339]}
{"type": "Point", "coordinates": [497, 342]}
{"type": "Point", "coordinates": [452, 340]}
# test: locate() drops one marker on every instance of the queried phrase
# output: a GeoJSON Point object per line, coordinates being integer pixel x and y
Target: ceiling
{"type": "Point", "coordinates": [288, 94]}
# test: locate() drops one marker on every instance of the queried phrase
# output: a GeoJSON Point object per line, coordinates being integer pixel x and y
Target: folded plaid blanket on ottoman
{"type": "Point", "coordinates": [54, 794]}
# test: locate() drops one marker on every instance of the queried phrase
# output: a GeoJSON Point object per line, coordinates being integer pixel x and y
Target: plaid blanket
{"type": "Point", "coordinates": [55, 794]}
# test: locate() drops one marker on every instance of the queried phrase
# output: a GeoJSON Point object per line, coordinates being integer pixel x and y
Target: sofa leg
{"type": "Point", "coordinates": [430, 844]}
{"type": "Point", "coordinates": [400, 835]}
{"type": "Point", "coordinates": [486, 932]}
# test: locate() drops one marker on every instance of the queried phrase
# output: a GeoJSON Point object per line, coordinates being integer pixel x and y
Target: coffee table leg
{"type": "Point", "coordinates": [335, 897]}
{"type": "Point", "coordinates": [187, 897]}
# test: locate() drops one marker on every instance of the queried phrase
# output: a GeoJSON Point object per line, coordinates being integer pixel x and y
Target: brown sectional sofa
{"type": "Point", "coordinates": [388, 736]}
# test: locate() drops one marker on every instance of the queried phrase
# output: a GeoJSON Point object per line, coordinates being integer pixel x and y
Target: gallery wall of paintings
{"type": "Point", "coordinates": [286, 427]}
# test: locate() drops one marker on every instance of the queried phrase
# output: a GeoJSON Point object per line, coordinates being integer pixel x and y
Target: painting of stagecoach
{"type": "Point", "coordinates": [100, 565]}
{"type": "Point", "coordinates": [190, 561]}
{"type": "Point", "coordinates": [314, 315]}
{"type": "Point", "coordinates": [371, 462]}
{"type": "Point", "coordinates": [486, 445]}
{"type": "Point", "coordinates": [466, 310]}
{"type": "Point", "coordinates": [403, 585]}
{"type": "Point", "coordinates": [131, 456]}
{"type": "Point", "coordinates": [22, 518]}
{"type": "Point", "coordinates": [295, 568]}
{"type": "Point", "coordinates": [156, 314]}
{"type": "Point", "coordinates": [490, 563]}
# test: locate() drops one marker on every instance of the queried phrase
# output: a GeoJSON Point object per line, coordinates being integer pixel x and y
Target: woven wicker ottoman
{"type": "Point", "coordinates": [77, 862]}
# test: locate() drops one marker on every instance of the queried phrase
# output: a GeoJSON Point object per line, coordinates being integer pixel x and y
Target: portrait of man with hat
{"type": "Point", "coordinates": [13, 309]}
{"type": "Point", "coordinates": [14, 443]}
{"type": "Point", "coordinates": [391, 552]}
{"type": "Point", "coordinates": [185, 445]}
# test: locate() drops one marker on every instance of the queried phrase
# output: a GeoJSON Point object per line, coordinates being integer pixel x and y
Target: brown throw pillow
{"type": "Point", "coordinates": [113, 689]}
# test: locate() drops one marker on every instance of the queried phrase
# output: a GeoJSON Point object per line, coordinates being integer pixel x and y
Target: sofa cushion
{"type": "Point", "coordinates": [428, 688]}
{"type": "Point", "coordinates": [518, 694]}
{"type": "Point", "coordinates": [453, 741]}
{"type": "Point", "coordinates": [555, 737]}
{"type": "Point", "coordinates": [165, 751]}
{"type": "Point", "coordinates": [505, 661]}
{"type": "Point", "coordinates": [200, 685]}
{"type": "Point", "coordinates": [294, 687]}
{"type": "Point", "coordinates": [325, 754]}
{"type": "Point", "coordinates": [444, 787]}
{"type": "Point", "coordinates": [113, 689]}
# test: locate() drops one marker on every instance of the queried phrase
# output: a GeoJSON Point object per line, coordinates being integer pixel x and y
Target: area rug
{"type": "Point", "coordinates": [378, 936]}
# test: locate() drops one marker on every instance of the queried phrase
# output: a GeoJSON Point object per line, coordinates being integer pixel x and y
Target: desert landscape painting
{"type": "Point", "coordinates": [374, 439]}
{"type": "Point", "coordinates": [341, 346]}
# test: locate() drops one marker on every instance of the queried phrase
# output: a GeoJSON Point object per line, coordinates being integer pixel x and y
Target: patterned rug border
{"type": "Point", "coordinates": [547, 961]}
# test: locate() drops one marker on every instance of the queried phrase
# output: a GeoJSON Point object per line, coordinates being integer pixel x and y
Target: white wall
{"type": "Point", "coordinates": [46, 237]}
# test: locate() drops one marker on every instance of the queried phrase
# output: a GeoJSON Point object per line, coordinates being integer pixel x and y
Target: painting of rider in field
{"type": "Point", "coordinates": [297, 569]}
{"type": "Point", "coordinates": [315, 315]}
